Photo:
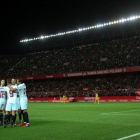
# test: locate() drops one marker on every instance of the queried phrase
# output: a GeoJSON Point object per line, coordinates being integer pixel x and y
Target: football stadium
{"type": "Point", "coordinates": [70, 71]}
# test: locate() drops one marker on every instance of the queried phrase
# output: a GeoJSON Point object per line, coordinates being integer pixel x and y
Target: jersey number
{"type": "Point", "coordinates": [11, 93]}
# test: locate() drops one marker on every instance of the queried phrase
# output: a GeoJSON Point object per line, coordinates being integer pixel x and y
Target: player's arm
{"type": "Point", "coordinates": [19, 87]}
{"type": "Point", "coordinates": [12, 89]}
{"type": "Point", "coordinates": [5, 93]}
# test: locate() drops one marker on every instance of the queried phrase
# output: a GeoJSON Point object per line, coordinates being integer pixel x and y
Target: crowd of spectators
{"type": "Point", "coordinates": [98, 56]}
{"type": "Point", "coordinates": [117, 53]}
{"type": "Point", "coordinates": [78, 87]}
{"type": "Point", "coordinates": [7, 62]}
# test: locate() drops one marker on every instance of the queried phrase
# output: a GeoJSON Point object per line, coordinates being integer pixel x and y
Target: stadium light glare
{"type": "Point", "coordinates": [99, 25]}
{"type": "Point", "coordinates": [132, 18]}
{"type": "Point", "coordinates": [80, 30]}
{"type": "Point", "coordinates": [42, 37]}
{"type": "Point", "coordinates": [120, 21]}
{"type": "Point", "coordinates": [86, 28]}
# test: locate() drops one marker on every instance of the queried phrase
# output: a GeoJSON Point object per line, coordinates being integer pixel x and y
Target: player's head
{"type": "Point", "coordinates": [2, 82]}
{"type": "Point", "coordinates": [9, 81]}
{"type": "Point", "coordinates": [13, 81]}
{"type": "Point", "coordinates": [19, 81]}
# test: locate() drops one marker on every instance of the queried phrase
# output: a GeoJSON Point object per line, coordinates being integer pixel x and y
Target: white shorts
{"type": "Point", "coordinates": [11, 107]}
{"type": "Point", "coordinates": [18, 104]}
{"type": "Point", "coordinates": [2, 106]}
{"type": "Point", "coordinates": [23, 103]}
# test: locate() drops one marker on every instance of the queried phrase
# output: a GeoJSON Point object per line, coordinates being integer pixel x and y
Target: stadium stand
{"type": "Point", "coordinates": [7, 62]}
{"type": "Point", "coordinates": [117, 53]}
{"type": "Point", "coordinates": [79, 87]}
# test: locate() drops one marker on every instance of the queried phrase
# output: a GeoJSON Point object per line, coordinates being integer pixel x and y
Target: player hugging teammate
{"type": "Point", "coordinates": [15, 94]}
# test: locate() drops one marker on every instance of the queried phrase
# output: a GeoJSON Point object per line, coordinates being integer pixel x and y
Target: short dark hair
{"type": "Point", "coordinates": [20, 80]}
{"type": "Point", "coordinates": [8, 81]}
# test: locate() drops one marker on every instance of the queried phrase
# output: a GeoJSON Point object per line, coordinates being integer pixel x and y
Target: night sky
{"type": "Point", "coordinates": [32, 19]}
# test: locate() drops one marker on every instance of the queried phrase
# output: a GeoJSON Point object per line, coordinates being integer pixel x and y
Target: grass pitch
{"type": "Point", "coordinates": [77, 121]}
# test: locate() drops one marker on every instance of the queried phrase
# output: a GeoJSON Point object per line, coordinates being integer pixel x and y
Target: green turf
{"type": "Point", "coordinates": [77, 121]}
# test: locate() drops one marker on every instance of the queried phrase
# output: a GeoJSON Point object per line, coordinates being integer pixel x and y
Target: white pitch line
{"type": "Point", "coordinates": [119, 112]}
{"type": "Point", "coordinates": [127, 114]}
{"type": "Point", "coordinates": [129, 136]}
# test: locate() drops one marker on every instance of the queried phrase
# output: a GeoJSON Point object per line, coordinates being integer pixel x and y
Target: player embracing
{"type": "Point", "coordinates": [23, 100]}
{"type": "Point", "coordinates": [14, 85]}
{"type": "Point", "coordinates": [2, 100]}
{"type": "Point", "coordinates": [11, 104]}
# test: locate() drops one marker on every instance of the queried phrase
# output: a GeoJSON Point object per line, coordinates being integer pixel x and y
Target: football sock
{"type": "Point", "coordinates": [1, 118]}
{"type": "Point", "coordinates": [13, 119]}
{"type": "Point", "coordinates": [5, 119]}
{"type": "Point", "coordinates": [26, 117]}
{"type": "Point", "coordinates": [19, 115]}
